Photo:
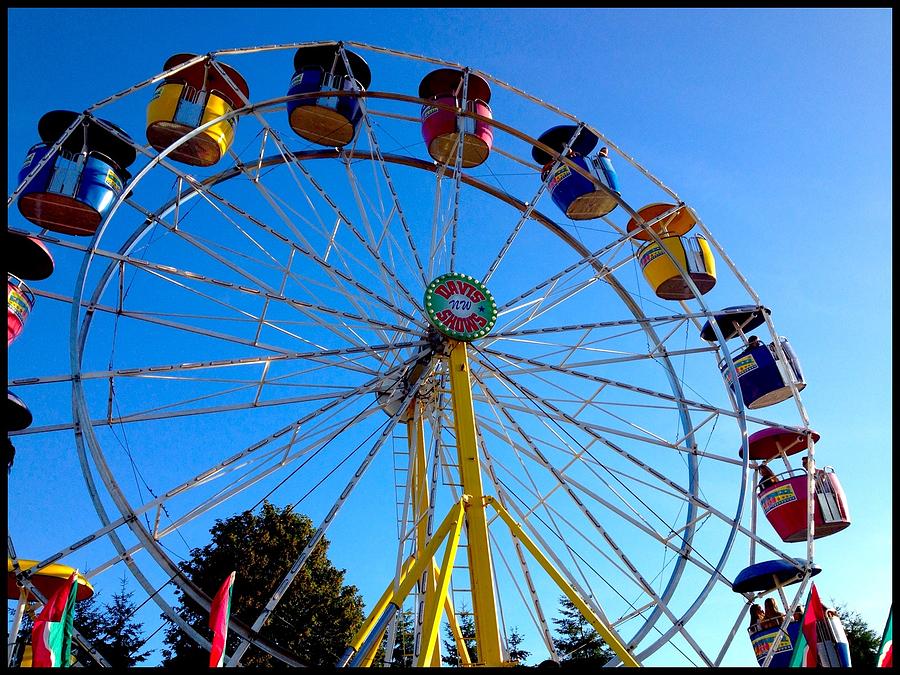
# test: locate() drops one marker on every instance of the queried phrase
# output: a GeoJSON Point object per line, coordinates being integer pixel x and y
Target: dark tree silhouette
{"type": "Point", "coordinates": [120, 635]}
{"type": "Point", "coordinates": [450, 655]}
{"type": "Point", "coordinates": [516, 653]}
{"type": "Point", "coordinates": [578, 643]}
{"type": "Point", "coordinates": [316, 618]}
{"type": "Point", "coordinates": [864, 642]}
{"type": "Point", "coordinates": [404, 641]}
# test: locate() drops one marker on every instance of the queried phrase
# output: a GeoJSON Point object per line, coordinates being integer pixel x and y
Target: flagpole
{"type": "Point", "coordinates": [17, 621]}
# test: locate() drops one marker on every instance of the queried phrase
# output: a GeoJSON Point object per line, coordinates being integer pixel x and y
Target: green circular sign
{"type": "Point", "coordinates": [460, 306]}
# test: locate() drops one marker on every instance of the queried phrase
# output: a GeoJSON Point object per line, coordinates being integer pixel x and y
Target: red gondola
{"type": "Point", "coordinates": [784, 502]}
{"type": "Point", "coordinates": [439, 124]}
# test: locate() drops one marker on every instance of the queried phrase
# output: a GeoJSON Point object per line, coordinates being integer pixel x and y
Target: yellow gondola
{"type": "Point", "coordinates": [47, 580]}
{"type": "Point", "coordinates": [657, 260]}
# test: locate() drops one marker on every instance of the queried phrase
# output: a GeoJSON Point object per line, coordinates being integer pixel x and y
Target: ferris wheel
{"type": "Point", "coordinates": [436, 313]}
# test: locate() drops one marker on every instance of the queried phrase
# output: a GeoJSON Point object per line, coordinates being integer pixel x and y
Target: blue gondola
{"type": "Point", "coordinates": [327, 120]}
{"type": "Point", "coordinates": [78, 185]}
{"type": "Point", "coordinates": [575, 195]}
{"type": "Point", "coordinates": [768, 575]}
{"type": "Point", "coordinates": [765, 378]}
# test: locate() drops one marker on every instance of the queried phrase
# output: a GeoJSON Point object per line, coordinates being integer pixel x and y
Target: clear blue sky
{"type": "Point", "coordinates": [773, 124]}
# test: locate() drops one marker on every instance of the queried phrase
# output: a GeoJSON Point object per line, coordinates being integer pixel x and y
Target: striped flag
{"type": "Point", "coordinates": [219, 612]}
{"type": "Point", "coordinates": [886, 652]}
{"type": "Point", "coordinates": [51, 635]}
{"type": "Point", "coordinates": [804, 655]}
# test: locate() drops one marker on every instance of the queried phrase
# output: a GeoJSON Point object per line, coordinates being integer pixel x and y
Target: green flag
{"type": "Point", "coordinates": [804, 655]}
{"type": "Point", "coordinates": [51, 636]}
{"type": "Point", "coordinates": [886, 651]}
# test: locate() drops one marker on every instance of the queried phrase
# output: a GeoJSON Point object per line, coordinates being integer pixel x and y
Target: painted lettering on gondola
{"type": "Point", "coordinates": [743, 365]}
{"type": "Point", "coordinates": [113, 181]}
{"type": "Point", "coordinates": [17, 304]}
{"type": "Point", "coordinates": [651, 254]}
{"type": "Point", "coordinates": [763, 643]}
{"type": "Point", "coordinates": [559, 176]}
{"type": "Point", "coordinates": [781, 495]}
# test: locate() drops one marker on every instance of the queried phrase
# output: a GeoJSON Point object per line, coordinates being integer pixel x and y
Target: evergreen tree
{"type": "Point", "coordinates": [516, 653]}
{"type": "Point", "coordinates": [864, 642]}
{"type": "Point", "coordinates": [404, 641]}
{"type": "Point", "coordinates": [120, 635]}
{"type": "Point", "coordinates": [316, 618]}
{"type": "Point", "coordinates": [578, 642]}
{"type": "Point", "coordinates": [450, 655]}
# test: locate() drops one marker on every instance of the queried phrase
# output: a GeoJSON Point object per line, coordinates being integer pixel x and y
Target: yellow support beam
{"type": "Point", "coordinates": [432, 622]}
{"type": "Point", "coordinates": [455, 630]}
{"type": "Point", "coordinates": [484, 608]}
{"type": "Point", "coordinates": [456, 513]}
{"type": "Point", "coordinates": [380, 607]}
{"type": "Point", "coordinates": [598, 624]}
{"type": "Point", "coordinates": [419, 492]}
{"type": "Point", "coordinates": [397, 595]}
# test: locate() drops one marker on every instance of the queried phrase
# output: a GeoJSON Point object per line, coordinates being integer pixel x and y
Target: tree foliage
{"type": "Point", "coordinates": [864, 642]}
{"type": "Point", "coordinates": [450, 654]}
{"type": "Point", "coordinates": [514, 645]}
{"type": "Point", "coordinates": [315, 619]}
{"type": "Point", "coordinates": [119, 637]}
{"type": "Point", "coordinates": [578, 642]}
{"type": "Point", "coordinates": [404, 642]}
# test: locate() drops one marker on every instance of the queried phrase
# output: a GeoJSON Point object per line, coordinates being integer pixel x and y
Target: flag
{"type": "Point", "coordinates": [51, 635]}
{"type": "Point", "coordinates": [219, 612]}
{"type": "Point", "coordinates": [886, 652]}
{"type": "Point", "coordinates": [804, 655]}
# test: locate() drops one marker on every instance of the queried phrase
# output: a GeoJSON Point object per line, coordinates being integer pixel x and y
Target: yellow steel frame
{"type": "Point", "coordinates": [473, 509]}
{"type": "Point", "coordinates": [419, 483]}
{"type": "Point", "coordinates": [598, 623]}
{"type": "Point", "coordinates": [484, 607]}
{"type": "Point", "coordinates": [396, 593]}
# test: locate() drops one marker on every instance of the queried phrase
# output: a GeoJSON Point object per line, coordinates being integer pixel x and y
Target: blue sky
{"type": "Point", "coordinates": [773, 124]}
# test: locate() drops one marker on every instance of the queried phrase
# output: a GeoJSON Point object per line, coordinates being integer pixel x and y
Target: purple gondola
{"type": "Point", "coordinates": [733, 321]}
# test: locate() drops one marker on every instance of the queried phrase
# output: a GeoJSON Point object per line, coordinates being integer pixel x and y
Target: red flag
{"type": "Point", "coordinates": [219, 612]}
{"type": "Point", "coordinates": [806, 649]}
{"type": "Point", "coordinates": [51, 635]}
